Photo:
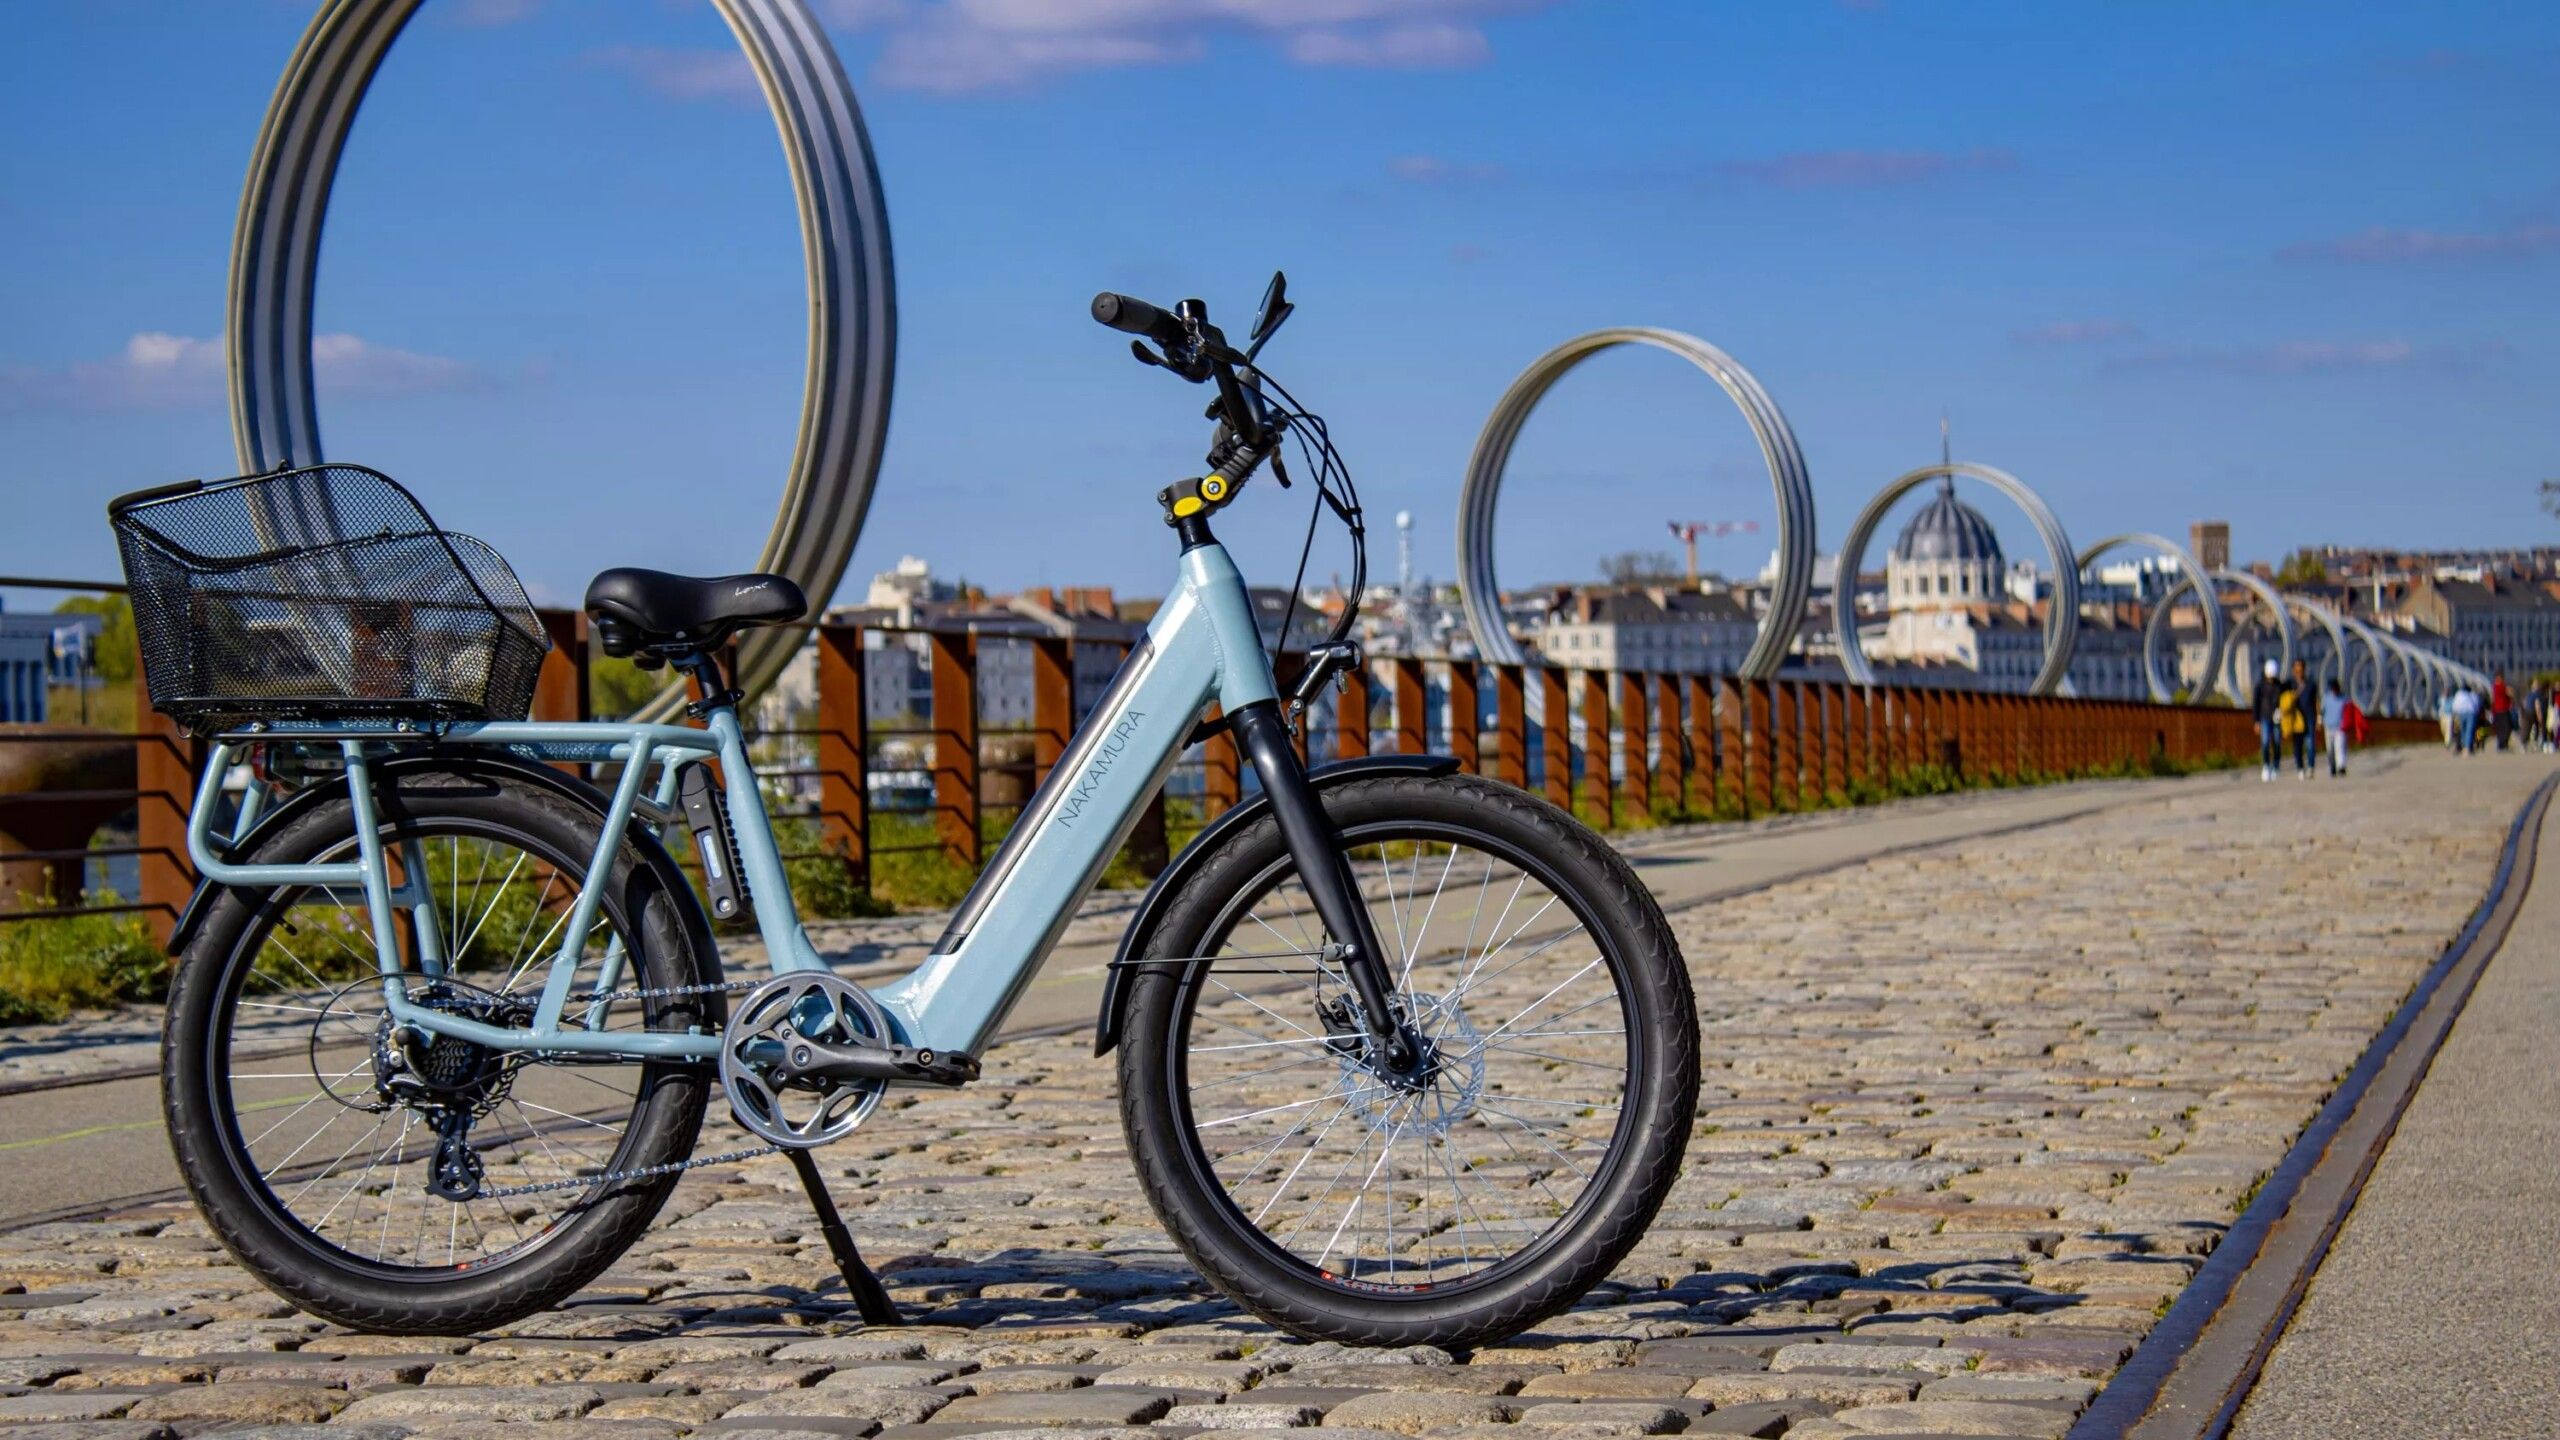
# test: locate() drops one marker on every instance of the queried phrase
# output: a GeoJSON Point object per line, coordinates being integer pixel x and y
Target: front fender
{"type": "Point", "coordinates": [1106, 1029]}
{"type": "Point", "coordinates": [495, 765]}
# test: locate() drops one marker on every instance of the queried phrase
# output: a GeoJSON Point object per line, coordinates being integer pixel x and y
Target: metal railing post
{"type": "Point", "coordinates": [844, 749]}
{"type": "Point", "coordinates": [1635, 713]}
{"type": "Point", "coordinates": [1465, 744]}
{"type": "Point", "coordinates": [1555, 738]}
{"type": "Point", "coordinates": [1510, 727]}
{"type": "Point", "coordinates": [165, 765]}
{"type": "Point", "coordinates": [955, 745]}
{"type": "Point", "coordinates": [1599, 780]}
{"type": "Point", "coordinates": [1412, 707]}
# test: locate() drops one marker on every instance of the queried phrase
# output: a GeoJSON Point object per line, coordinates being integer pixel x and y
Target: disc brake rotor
{"type": "Point", "coordinates": [1449, 1088]}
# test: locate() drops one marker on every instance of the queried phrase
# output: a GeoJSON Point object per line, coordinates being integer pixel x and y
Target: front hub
{"type": "Point", "coordinates": [1428, 1096]}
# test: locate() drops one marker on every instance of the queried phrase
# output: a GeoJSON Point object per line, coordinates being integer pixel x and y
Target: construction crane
{"type": "Point", "coordinates": [1690, 530]}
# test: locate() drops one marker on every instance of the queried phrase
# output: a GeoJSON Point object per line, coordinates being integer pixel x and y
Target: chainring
{"type": "Point", "coordinates": [799, 1005]}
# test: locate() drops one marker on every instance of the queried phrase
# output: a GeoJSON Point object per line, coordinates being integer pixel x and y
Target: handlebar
{"type": "Point", "coordinates": [1136, 317]}
{"type": "Point", "coordinates": [1197, 351]}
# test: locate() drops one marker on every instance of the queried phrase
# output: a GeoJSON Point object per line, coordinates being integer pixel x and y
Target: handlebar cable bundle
{"type": "Point", "coordinates": [1335, 490]}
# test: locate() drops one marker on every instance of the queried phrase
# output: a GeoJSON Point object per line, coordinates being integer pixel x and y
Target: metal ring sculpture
{"type": "Point", "coordinates": [2268, 596]}
{"type": "Point", "coordinates": [2215, 636]}
{"type": "Point", "coordinates": [1787, 476]}
{"type": "Point", "coordinates": [2375, 696]}
{"type": "Point", "coordinates": [2328, 618]}
{"type": "Point", "coordinates": [2062, 616]}
{"type": "Point", "coordinates": [844, 233]}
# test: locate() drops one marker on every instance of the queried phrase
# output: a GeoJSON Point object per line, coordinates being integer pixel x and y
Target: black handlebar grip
{"type": "Point", "coordinates": [1137, 317]}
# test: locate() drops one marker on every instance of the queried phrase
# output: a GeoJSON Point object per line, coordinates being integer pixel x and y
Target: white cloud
{"type": "Point", "coordinates": [684, 74]}
{"type": "Point", "coordinates": [157, 370]}
{"type": "Point", "coordinates": [954, 46]}
{"type": "Point", "coordinates": [1437, 170]}
{"type": "Point", "coordinates": [1421, 45]}
{"type": "Point", "coordinates": [2076, 332]}
{"type": "Point", "coordinates": [495, 12]}
{"type": "Point", "coordinates": [1861, 169]}
{"type": "Point", "coordinates": [2382, 245]}
{"type": "Point", "coordinates": [2312, 357]}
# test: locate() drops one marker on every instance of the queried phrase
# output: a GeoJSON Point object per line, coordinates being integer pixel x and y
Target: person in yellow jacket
{"type": "Point", "coordinates": [2301, 718]}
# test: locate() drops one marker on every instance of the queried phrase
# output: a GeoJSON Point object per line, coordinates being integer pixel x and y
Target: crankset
{"type": "Point", "coordinates": [807, 1055]}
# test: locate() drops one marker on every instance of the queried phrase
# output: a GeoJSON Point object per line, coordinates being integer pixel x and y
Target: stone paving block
{"type": "Point", "coordinates": [1637, 1419]}
{"type": "Point", "coordinates": [1241, 1415]}
{"type": "Point", "coordinates": [505, 1403]}
{"type": "Point", "coordinates": [1090, 1405]}
{"type": "Point", "coordinates": [81, 1405]}
{"type": "Point", "coordinates": [1830, 1387]}
{"type": "Point", "coordinates": [247, 1402]}
{"type": "Point", "coordinates": [1953, 1417]}
{"type": "Point", "coordinates": [1419, 1413]}
{"type": "Point", "coordinates": [1760, 1419]}
{"type": "Point", "coordinates": [880, 1407]}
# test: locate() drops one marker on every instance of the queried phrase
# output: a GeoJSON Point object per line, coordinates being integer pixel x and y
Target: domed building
{"type": "Point", "coordinates": [1950, 608]}
{"type": "Point", "coordinates": [1947, 556]}
{"type": "Point", "coordinates": [1947, 600]}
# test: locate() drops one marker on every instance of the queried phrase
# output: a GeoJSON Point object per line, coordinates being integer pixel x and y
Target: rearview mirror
{"type": "Point", "coordinates": [1275, 309]}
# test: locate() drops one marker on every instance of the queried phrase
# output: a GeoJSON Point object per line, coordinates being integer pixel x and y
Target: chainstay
{"type": "Point", "coordinates": [616, 1177]}
{"type": "Point", "coordinates": [664, 992]}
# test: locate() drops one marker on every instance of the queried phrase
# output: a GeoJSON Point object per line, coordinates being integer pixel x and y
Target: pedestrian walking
{"type": "Point", "coordinates": [2305, 705]}
{"type": "Point", "coordinates": [2359, 731]}
{"type": "Point", "coordinates": [2502, 710]}
{"type": "Point", "coordinates": [2263, 703]}
{"type": "Point", "coordinates": [2466, 721]}
{"type": "Point", "coordinates": [2444, 718]}
{"type": "Point", "coordinates": [2333, 725]}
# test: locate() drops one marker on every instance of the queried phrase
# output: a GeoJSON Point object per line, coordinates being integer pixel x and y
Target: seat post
{"type": "Point", "coordinates": [712, 688]}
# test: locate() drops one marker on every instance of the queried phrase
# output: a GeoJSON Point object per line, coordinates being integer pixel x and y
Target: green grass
{"type": "Point", "coordinates": [51, 967]}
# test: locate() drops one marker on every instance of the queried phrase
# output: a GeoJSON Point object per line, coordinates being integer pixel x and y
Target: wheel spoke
{"type": "Point", "coordinates": [529, 1117]}
{"type": "Point", "coordinates": [1431, 1179]}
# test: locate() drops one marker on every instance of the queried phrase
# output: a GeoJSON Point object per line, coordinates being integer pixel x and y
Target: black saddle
{"type": "Point", "coordinates": [651, 610]}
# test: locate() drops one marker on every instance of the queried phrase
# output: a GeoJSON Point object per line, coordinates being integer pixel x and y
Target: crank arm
{"type": "Point", "coordinates": [813, 1060]}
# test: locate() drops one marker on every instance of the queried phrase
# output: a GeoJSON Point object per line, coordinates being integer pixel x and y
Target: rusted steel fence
{"type": "Point", "coordinates": [1621, 746]}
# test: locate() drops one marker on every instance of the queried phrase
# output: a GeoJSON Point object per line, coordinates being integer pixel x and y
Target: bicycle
{"type": "Point", "coordinates": [1406, 1056]}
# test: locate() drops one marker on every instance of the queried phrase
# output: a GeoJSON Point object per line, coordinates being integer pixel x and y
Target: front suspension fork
{"type": "Point", "coordinates": [1326, 872]}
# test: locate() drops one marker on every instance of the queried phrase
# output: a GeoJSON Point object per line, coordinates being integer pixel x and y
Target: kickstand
{"type": "Point", "coordinates": [869, 1295]}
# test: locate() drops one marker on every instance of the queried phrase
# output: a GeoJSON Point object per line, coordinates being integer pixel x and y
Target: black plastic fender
{"type": "Point", "coordinates": [1106, 1028]}
{"type": "Point", "coordinates": [494, 765]}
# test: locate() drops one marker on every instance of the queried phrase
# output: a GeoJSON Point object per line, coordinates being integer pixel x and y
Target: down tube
{"type": "Point", "coordinates": [1059, 846]}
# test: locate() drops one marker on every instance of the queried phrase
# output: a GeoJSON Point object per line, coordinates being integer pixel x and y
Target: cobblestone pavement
{"type": "Point", "coordinates": [1971, 1119]}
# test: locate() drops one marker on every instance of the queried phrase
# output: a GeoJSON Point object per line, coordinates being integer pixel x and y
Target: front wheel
{"type": "Point", "coordinates": [1340, 1202]}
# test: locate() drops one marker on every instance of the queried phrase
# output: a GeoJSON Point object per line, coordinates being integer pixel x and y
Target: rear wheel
{"type": "Point", "coordinates": [1338, 1202]}
{"type": "Point", "coordinates": [425, 1184]}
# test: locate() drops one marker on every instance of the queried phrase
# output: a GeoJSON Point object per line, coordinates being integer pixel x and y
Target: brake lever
{"type": "Point", "coordinates": [1147, 356]}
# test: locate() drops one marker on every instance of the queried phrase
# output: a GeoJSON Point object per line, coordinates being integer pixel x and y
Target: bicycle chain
{"type": "Point", "coordinates": [663, 992]}
{"type": "Point", "coordinates": [616, 1177]}
{"type": "Point", "coordinates": [645, 1172]}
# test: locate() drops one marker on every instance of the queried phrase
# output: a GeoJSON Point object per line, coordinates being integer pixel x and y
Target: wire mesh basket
{"type": "Point", "coordinates": [323, 593]}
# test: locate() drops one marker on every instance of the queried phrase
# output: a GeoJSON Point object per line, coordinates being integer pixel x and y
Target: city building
{"type": "Point", "coordinates": [1957, 611]}
{"type": "Point", "coordinates": [40, 650]}
{"type": "Point", "coordinates": [1649, 628]}
{"type": "Point", "coordinates": [2494, 623]}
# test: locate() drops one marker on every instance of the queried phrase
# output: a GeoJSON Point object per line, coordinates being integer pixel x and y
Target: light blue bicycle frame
{"type": "Point", "coordinates": [1202, 645]}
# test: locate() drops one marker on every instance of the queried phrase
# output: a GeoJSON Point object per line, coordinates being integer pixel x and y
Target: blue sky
{"type": "Point", "coordinates": [2293, 265]}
